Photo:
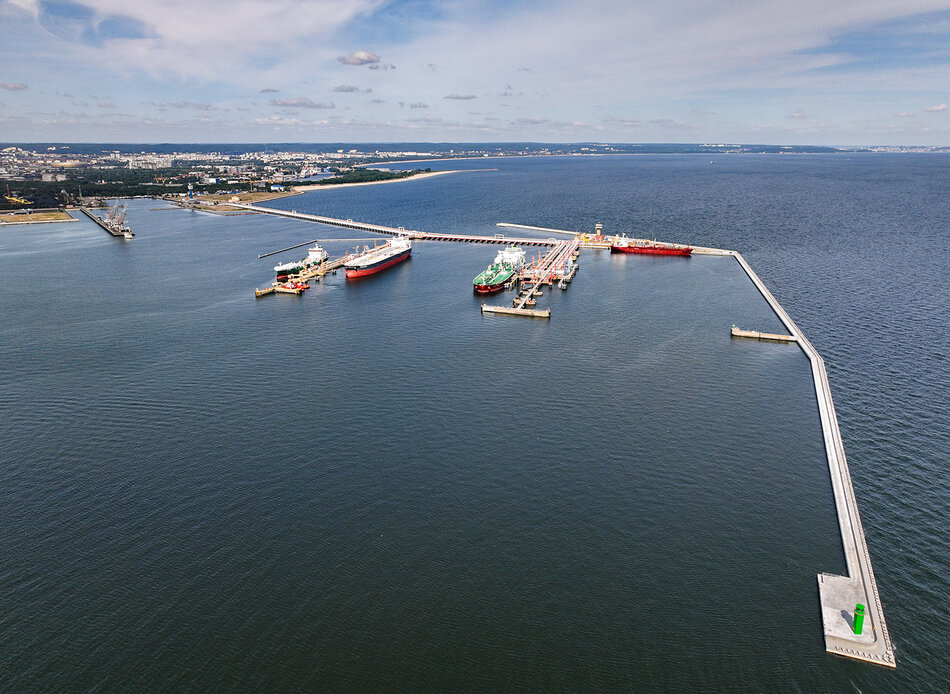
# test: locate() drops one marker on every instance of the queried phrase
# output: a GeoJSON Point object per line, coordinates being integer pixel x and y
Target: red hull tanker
{"type": "Point", "coordinates": [625, 245]}
{"type": "Point", "coordinates": [378, 259]}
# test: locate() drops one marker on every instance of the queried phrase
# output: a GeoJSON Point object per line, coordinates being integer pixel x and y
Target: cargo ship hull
{"type": "Point", "coordinates": [489, 288]}
{"type": "Point", "coordinates": [508, 261]}
{"type": "Point", "coordinates": [489, 281]}
{"type": "Point", "coordinates": [364, 270]}
{"type": "Point", "coordinates": [652, 249]}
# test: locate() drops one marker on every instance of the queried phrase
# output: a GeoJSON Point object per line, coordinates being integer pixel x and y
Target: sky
{"type": "Point", "coordinates": [824, 72]}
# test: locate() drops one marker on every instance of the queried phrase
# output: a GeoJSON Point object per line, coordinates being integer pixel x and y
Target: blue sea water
{"type": "Point", "coordinates": [374, 487]}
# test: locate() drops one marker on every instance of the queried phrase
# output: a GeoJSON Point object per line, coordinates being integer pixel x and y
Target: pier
{"type": "Point", "coordinates": [497, 238]}
{"type": "Point", "coordinates": [314, 274]}
{"type": "Point", "coordinates": [318, 272]}
{"type": "Point", "coordinates": [332, 221]}
{"type": "Point", "coordinates": [548, 230]}
{"type": "Point", "coordinates": [557, 265]}
{"type": "Point", "coordinates": [525, 312]}
{"type": "Point", "coordinates": [119, 230]}
{"type": "Point", "coordinates": [839, 595]}
{"type": "Point", "coordinates": [278, 288]}
{"type": "Point", "coordinates": [842, 598]}
{"type": "Point", "coordinates": [413, 234]}
{"type": "Point", "coordinates": [756, 335]}
{"type": "Point", "coordinates": [584, 240]}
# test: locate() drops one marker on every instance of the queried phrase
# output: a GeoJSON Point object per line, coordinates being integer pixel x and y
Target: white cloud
{"type": "Point", "coordinates": [431, 120]}
{"type": "Point", "coordinates": [359, 58]}
{"type": "Point", "coordinates": [193, 105]}
{"type": "Point", "coordinates": [283, 121]}
{"type": "Point", "coordinates": [672, 124]}
{"type": "Point", "coordinates": [727, 67]}
{"type": "Point", "coordinates": [203, 39]}
{"type": "Point", "coordinates": [626, 122]}
{"type": "Point", "coordinates": [936, 109]}
{"type": "Point", "coordinates": [662, 51]}
{"type": "Point", "coordinates": [14, 87]}
{"type": "Point", "coordinates": [300, 102]}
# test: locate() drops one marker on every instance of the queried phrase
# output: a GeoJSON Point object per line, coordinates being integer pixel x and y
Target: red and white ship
{"type": "Point", "coordinates": [378, 259]}
{"type": "Point", "coordinates": [622, 244]}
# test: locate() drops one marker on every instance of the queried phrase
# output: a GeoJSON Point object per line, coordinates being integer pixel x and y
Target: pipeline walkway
{"type": "Point", "coordinates": [510, 225]}
{"type": "Point", "coordinates": [558, 264]}
{"type": "Point", "coordinates": [413, 234]}
{"type": "Point", "coordinates": [333, 221]}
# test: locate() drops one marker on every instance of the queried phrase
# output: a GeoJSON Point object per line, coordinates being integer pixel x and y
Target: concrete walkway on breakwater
{"type": "Point", "coordinates": [840, 594]}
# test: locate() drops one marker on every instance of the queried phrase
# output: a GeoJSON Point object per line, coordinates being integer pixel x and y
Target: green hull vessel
{"type": "Point", "coordinates": [493, 278]}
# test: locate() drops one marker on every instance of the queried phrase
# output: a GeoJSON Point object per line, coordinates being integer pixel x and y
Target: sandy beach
{"type": "Point", "coordinates": [332, 186]}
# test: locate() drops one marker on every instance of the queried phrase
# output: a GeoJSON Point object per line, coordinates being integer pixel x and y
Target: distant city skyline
{"type": "Point", "coordinates": [822, 72]}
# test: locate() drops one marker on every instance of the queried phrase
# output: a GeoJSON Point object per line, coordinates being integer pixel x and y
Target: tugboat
{"type": "Point", "coordinates": [508, 261]}
{"type": "Point", "coordinates": [315, 256]}
{"type": "Point", "coordinates": [625, 245]}
{"type": "Point", "coordinates": [374, 260]}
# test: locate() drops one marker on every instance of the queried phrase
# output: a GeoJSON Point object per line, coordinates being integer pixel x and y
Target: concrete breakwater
{"type": "Point", "coordinates": [839, 595]}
